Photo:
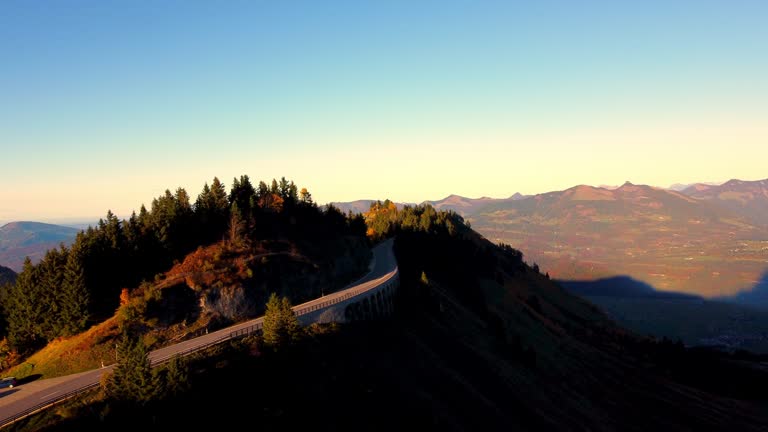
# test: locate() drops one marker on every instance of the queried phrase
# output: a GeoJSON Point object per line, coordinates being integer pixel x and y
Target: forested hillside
{"type": "Point", "coordinates": [219, 255]}
{"type": "Point", "coordinates": [479, 340]}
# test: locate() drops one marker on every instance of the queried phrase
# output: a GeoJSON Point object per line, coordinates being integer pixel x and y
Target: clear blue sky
{"type": "Point", "coordinates": [105, 104]}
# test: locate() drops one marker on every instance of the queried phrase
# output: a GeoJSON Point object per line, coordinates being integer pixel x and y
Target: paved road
{"type": "Point", "coordinates": [26, 396]}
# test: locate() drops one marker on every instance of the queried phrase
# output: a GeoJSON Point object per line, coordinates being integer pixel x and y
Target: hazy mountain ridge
{"type": "Point", "coordinates": [704, 240]}
{"type": "Point", "coordinates": [21, 239]}
{"type": "Point", "coordinates": [661, 237]}
{"type": "Point", "coordinates": [746, 198]}
{"type": "Point", "coordinates": [457, 203]}
{"type": "Point", "coordinates": [679, 187]}
{"type": "Point", "coordinates": [468, 206]}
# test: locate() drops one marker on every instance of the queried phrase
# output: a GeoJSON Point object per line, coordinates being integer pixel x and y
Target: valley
{"type": "Point", "coordinates": [668, 239]}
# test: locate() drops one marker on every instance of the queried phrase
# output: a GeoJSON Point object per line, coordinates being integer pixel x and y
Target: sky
{"type": "Point", "coordinates": [106, 104]}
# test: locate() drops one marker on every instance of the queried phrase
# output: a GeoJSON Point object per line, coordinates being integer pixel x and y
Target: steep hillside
{"type": "Point", "coordinates": [219, 256]}
{"type": "Point", "coordinates": [746, 198]}
{"type": "Point", "coordinates": [479, 341]}
{"type": "Point", "coordinates": [30, 239]}
{"type": "Point", "coordinates": [667, 239]}
{"type": "Point", "coordinates": [212, 287]}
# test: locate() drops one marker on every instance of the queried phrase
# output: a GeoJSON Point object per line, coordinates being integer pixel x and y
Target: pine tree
{"type": "Point", "coordinates": [281, 326]}
{"type": "Point", "coordinates": [284, 188]}
{"type": "Point", "coordinates": [74, 296]}
{"type": "Point", "coordinates": [203, 203]}
{"type": "Point", "coordinates": [50, 277]}
{"type": "Point", "coordinates": [23, 309]}
{"type": "Point", "coordinates": [219, 200]}
{"type": "Point", "coordinates": [242, 194]}
{"type": "Point", "coordinates": [236, 228]}
{"type": "Point", "coordinates": [176, 377]}
{"type": "Point", "coordinates": [263, 190]}
{"type": "Point", "coordinates": [132, 379]}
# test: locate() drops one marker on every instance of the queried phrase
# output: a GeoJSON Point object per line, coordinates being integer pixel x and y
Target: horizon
{"type": "Point", "coordinates": [398, 100]}
{"type": "Point", "coordinates": [84, 221]}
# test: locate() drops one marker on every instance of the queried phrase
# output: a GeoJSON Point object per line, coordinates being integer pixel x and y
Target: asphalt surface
{"type": "Point", "coordinates": [41, 393]}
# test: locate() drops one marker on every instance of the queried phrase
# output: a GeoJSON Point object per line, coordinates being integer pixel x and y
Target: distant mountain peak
{"type": "Point", "coordinates": [24, 238]}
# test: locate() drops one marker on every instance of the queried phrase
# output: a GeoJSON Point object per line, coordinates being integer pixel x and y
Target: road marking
{"type": "Point", "coordinates": [46, 396]}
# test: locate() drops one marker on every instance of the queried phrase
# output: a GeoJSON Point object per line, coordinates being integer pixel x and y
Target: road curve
{"type": "Point", "coordinates": [31, 397]}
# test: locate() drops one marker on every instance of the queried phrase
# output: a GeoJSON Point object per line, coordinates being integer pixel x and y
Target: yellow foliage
{"type": "Point", "coordinates": [272, 202]}
{"type": "Point", "coordinates": [124, 297]}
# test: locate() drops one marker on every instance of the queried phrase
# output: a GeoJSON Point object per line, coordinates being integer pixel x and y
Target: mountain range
{"type": "Point", "coordinates": [746, 198]}
{"type": "Point", "coordinates": [703, 238]}
{"type": "Point", "coordinates": [709, 240]}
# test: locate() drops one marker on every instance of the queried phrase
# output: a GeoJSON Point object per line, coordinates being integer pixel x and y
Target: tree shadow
{"type": "Point", "coordinates": [29, 378]}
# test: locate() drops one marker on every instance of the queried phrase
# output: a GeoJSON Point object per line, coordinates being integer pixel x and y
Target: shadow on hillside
{"type": "Point", "coordinates": [622, 286]}
{"type": "Point", "coordinates": [756, 297]}
{"type": "Point", "coordinates": [726, 323]}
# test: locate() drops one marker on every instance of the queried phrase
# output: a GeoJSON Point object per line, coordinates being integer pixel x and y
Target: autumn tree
{"type": "Point", "coordinates": [8, 356]}
{"type": "Point", "coordinates": [305, 196]}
